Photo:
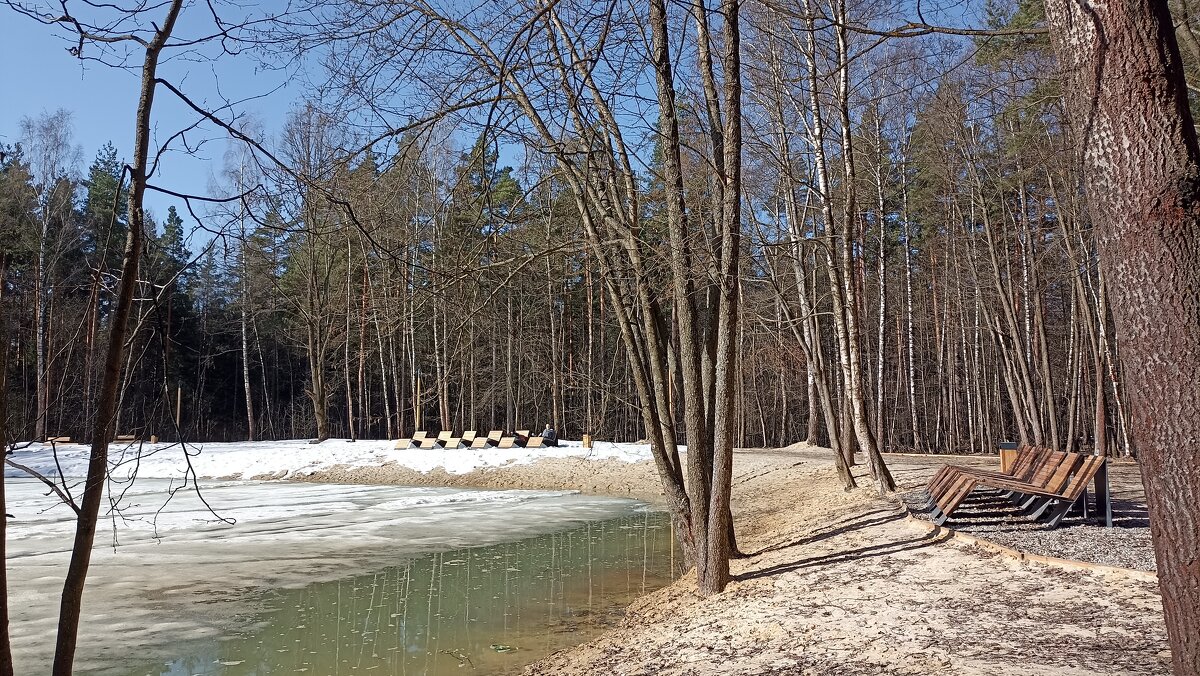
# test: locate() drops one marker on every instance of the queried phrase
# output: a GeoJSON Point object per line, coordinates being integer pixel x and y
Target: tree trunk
{"type": "Point", "coordinates": [6, 660]}
{"type": "Point", "coordinates": [93, 493]}
{"type": "Point", "coordinates": [1131, 114]}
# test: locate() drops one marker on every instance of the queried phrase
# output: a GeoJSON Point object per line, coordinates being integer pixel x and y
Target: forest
{"type": "Point", "coordinates": [438, 287]}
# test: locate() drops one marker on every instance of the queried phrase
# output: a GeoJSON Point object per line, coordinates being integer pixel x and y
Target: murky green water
{"type": "Point", "coordinates": [484, 610]}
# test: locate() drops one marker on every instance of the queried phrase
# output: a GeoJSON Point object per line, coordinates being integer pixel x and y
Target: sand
{"type": "Point", "coordinates": [844, 583]}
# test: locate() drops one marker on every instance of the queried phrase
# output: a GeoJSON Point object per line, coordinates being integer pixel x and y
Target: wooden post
{"type": "Point", "coordinates": [1008, 454]}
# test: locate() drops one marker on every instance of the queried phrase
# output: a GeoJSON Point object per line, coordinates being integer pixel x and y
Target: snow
{"type": "Point", "coordinates": [181, 574]}
{"type": "Point", "coordinates": [283, 459]}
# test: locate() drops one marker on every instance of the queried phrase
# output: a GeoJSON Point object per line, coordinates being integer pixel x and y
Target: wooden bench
{"type": "Point", "coordinates": [1035, 469]}
{"type": "Point", "coordinates": [535, 442]}
{"type": "Point", "coordinates": [413, 442]}
{"type": "Point", "coordinates": [58, 440]}
{"type": "Point", "coordinates": [507, 442]}
{"type": "Point", "coordinates": [1022, 469]}
{"type": "Point", "coordinates": [1042, 483]}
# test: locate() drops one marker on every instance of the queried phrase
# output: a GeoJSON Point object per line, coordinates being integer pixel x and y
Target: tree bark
{"type": "Point", "coordinates": [1132, 120]}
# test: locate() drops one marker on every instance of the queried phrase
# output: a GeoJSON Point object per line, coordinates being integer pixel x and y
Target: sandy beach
{"type": "Point", "coordinates": [844, 583]}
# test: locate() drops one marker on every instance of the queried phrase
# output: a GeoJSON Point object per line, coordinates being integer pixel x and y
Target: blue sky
{"type": "Point", "coordinates": [40, 75]}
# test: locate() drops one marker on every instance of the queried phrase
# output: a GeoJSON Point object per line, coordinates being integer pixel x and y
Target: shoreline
{"type": "Point", "coordinates": [840, 583]}
{"type": "Point", "coordinates": [607, 478]}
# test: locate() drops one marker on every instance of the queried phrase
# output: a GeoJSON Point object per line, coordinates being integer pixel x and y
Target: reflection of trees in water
{"type": "Point", "coordinates": [428, 615]}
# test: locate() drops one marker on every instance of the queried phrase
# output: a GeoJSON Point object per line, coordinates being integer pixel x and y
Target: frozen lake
{"type": "Point", "coordinates": [182, 589]}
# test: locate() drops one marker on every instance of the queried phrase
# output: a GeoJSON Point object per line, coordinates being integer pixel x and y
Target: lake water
{"type": "Point", "coordinates": [333, 580]}
{"type": "Point", "coordinates": [490, 610]}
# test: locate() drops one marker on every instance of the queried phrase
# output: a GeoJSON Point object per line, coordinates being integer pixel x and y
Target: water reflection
{"type": "Point", "coordinates": [487, 609]}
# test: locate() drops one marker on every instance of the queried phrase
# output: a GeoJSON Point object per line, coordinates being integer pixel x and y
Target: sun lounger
{"type": "Point", "coordinates": [535, 442]}
{"type": "Point", "coordinates": [1054, 482]}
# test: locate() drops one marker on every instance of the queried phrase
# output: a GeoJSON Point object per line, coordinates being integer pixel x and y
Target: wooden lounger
{"type": "Point", "coordinates": [427, 443]}
{"type": "Point", "coordinates": [480, 442]}
{"type": "Point", "coordinates": [419, 434]}
{"type": "Point", "coordinates": [952, 491]}
{"type": "Point", "coordinates": [494, 437]}
{"type": "Point", "coordinates": [507, 442]}
{"type": "Point", "coordinates": [1057, 484]}
{"type": "Point", "coordinates": [450, 442]}
{"type": "Point", "coordinates": [403, 444]}
{"type": "Point", "coordinates": [535, 442]}
{"type": "Point", "coordinates": [1023, 469]}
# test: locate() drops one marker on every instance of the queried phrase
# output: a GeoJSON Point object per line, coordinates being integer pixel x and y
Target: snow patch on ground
{"type": "Point", "coordinates": [283, 459]}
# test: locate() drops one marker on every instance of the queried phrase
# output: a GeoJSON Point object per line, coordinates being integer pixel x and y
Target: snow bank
{"type": "Point", "coordinates": [281, 459]}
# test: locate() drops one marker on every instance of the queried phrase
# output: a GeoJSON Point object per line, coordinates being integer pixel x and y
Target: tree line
{"type": "Point", "coordinates": [445, 290]}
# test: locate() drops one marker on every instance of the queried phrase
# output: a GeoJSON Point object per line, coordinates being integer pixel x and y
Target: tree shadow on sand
{"type": "Point", "coordinates": [857, 523]}
{"type": "Point", "coordinates": [846, 525]}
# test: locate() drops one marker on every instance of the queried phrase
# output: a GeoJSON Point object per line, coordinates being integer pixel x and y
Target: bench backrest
{"type": "Point", "coordinates": [1027, 458]}
{"type": "Point", "coordinates": [1045, 466]}
{"type": "Point", "coordinates": [1084, 473]}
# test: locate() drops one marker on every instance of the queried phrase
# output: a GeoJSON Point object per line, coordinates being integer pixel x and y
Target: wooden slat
{"type": "Point", "coordinates": [535, 442]}
{"type": "Point", "coordinates": [479, 442]}
{"type": "Point", "coordinates": [420, 434]}
{"type": "Point", "coordinates": [403, 444]}
{"type": "Point", "coordinates": [1087, 471]}
{"type": "Point", "coordinates": [507, 442]}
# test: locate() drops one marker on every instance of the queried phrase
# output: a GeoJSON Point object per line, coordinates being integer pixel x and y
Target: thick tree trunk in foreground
{"type": "Point", "coordinates": [1143, 174]}
{"type": "Point", "coordinates": [106, 401]}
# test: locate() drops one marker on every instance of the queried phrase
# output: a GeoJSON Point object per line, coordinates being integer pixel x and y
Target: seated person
{"type": "Point", "coordinates": [549, 436]}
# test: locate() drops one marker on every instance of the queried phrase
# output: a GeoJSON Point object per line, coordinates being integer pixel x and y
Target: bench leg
{"type": "Point", "coordinates": [1040, 509]}
{"type": "Point", "coordinates": [1017, 498]}
{"type": "Point", "coordinates": [1060, 510]}
{"type": "Point", "coordinates": [1029, 502]}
